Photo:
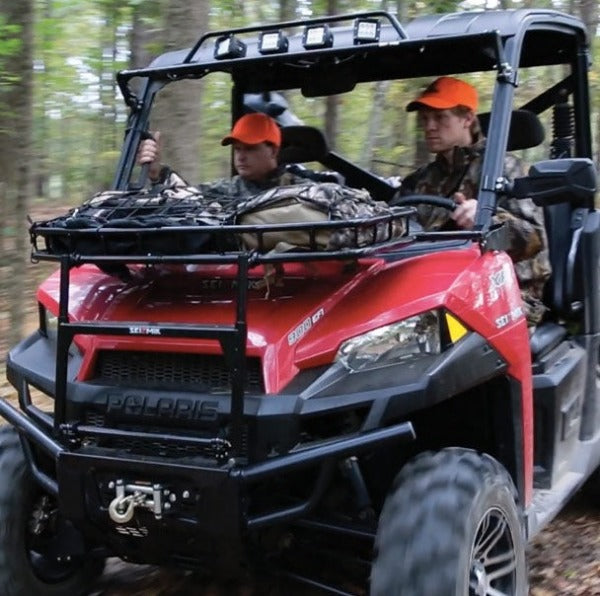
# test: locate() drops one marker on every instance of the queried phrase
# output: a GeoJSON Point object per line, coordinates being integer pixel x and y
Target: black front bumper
{"type": "Point", "coordinates": [210, 502]}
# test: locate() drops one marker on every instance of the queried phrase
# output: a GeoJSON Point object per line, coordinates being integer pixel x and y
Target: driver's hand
{"type": "Point", "coordinates": [464, 214]}
{"type": "Point", "coordinates": [149, 152]}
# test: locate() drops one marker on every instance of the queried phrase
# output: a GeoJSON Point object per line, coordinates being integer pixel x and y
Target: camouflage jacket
{"type": "Point", "coordinates": [236, 186]}
{"type": "Point", "coordinates": [528, 244]}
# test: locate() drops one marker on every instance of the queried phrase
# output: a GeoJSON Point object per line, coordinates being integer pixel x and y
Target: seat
{"type": "Point", "coordinates": [301, 144]}
{"type": "Point", "coordinates": [525, 131]}
{"type": "Point", "coordinates": [562, 292]}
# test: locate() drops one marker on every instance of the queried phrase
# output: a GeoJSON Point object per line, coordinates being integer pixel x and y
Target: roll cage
{"type": "Point", "coordinates": [500, 41]}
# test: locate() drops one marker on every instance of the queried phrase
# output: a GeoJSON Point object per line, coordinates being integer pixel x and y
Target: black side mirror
{"type": "Point", "coordinates": [572, 180]}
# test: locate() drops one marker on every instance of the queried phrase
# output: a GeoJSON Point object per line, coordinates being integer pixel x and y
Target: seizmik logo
{"type": "Point", "coordinates": [143, 330]}
{"type": "Point", "coordinates": [304, 327]}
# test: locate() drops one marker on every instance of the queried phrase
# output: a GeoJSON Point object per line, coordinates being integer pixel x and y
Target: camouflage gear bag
{"type": "Point", "coordinates": [317, 204]}
{"type": "Point", "coordinates": [113, 222]}
{"type": "Point", "coordinates": [142, 222]}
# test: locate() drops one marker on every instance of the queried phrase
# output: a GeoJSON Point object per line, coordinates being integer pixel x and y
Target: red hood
{"type": "Point", "coordinates": [280, 316]}
{"type": "Point", "coordinates": [298, 322]}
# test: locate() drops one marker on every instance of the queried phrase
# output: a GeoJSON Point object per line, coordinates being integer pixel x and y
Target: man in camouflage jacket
{"type": "Point", "coordinates": [447, 115]}
{"type": "Point", "coordinates": [256, 139]}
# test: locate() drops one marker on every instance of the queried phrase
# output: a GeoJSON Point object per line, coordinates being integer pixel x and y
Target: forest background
{"type": "Point", "coordinates": [62, 117]}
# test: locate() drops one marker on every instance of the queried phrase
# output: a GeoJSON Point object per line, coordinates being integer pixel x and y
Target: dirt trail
{"type": "Point", "coordinates": [564, 560]}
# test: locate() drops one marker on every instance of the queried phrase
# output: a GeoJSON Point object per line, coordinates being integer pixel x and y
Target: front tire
{"type": "Point", "coordinates": [450, 527]}
{"type": "Point", "coordinates": [29, 527]}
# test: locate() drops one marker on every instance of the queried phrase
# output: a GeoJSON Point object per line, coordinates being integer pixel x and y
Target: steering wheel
{"type": "Point", "coordinates": [433, 200]}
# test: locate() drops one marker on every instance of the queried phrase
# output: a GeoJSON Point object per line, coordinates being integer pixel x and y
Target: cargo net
{"type": "Point", "coordinates": [182, 220]}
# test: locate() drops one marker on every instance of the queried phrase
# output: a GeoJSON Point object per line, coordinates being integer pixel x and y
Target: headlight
{"type": "Point", "coordinates": [401, 341]}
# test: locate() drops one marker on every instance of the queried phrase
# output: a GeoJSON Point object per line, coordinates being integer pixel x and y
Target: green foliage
{"type": "Point", "coordinates": [10, 45]}
{"type": "Point", "coordinates": [10, 42]}
{"type": "Point", "coordinates": [79, 114]}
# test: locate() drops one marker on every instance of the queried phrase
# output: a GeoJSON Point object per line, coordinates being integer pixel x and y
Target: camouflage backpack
{"type": "Point", "coordinates": [317, 204]}
{"type": "Point", "coordinates": [122, 213]}
{"type": "Point", "coordinates": [140, 221]}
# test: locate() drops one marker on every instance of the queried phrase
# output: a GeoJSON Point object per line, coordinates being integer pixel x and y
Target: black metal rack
{"type": "Point", "coordinates": [146, 244]}
{"type": "Point", "coordinates": [232, 338]}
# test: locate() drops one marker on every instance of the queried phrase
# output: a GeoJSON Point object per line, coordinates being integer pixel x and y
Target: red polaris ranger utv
{"type": "Point", "coordinates": [360, 408]}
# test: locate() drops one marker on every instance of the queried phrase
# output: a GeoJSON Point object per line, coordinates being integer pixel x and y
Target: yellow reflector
{"type": "Point", "coordinates": [455, 327]}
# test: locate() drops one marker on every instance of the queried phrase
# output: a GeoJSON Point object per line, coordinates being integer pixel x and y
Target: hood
{"type": "Point", "coordinates": [296, 319]}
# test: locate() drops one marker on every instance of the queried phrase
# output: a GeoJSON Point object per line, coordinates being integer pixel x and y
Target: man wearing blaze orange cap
{"type": "Point", "coordinates": [447, 115]}
{"type": "Point", "coordinates": [256, 139]}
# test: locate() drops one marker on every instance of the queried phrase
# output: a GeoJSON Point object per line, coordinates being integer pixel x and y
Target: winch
{"type": "Point", "coordinates": [152, 497]}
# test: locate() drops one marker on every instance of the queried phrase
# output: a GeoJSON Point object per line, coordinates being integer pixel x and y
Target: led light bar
{"type": "Point", "coordinates": [319, 36]}
{"type": "Point", "coordinates": [366, 30]}
{"type": "Point", "coordinates": [272, 42]}
{"type": "Point", "coordinates": [229, 46]}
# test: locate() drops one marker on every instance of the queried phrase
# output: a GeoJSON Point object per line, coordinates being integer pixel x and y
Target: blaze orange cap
{"type": "Point", "coordinates": [253, 129]}
{"type": "Point", "coordinates": [446, 93]}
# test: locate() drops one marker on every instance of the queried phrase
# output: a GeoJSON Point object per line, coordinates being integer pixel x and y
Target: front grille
{"type": "Point", "coordinates": [169, 370]}
{"type": "Point", "coordinates": [154, 447]}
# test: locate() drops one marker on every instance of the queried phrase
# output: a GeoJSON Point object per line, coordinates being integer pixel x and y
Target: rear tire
{"type": "Point", "coordinates": [28, 518]}
{"type": "Point", "coordinates": [450, 527]}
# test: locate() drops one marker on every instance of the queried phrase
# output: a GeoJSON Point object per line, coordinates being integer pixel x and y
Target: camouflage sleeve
{"type": "Point", "coordinates": [170, 177]}
{"type": "Point", "coordinates": [525, 228]}
{"type": "Point", "coordinates": [524, 220]}
{"type": "Point", "coordinates": [222, 186]}
{"type": "Point", "coordinates": [409, 183]}
{"type": "Point", "coordinates": [294, 177]}
{"type": "Point", "coordinates": [432, 218]}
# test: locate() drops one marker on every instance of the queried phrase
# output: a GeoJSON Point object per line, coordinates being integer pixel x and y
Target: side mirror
{"type": "Point", "coordinates": [571, 180]}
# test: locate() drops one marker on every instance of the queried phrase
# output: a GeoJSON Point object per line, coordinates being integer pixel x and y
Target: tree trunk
{"type": "Point", "coordinates": [374, 126]}
{"type": "Point", "coordinates": [597, 153]}
{"type": "Point", "coordinates": [287, 10]}
{"type": "Point", "coordinates": [15, 158]}
{"type": "Point", "coordinates": [143, 33]}
{"type": "Point", "coordinates": [377, 108]}
{"type": "Point", "coordinates": [401, 10]}
{"type": "Point", "coordinates": [41, 138]}
{"type": "Point", "coordinates": [588, 10]}
{"type": "Point", "coordinates": [178, 110]}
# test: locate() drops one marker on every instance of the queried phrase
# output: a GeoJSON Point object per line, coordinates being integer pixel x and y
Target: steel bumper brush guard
{"type": "Point", "coordinates": [113, 460]}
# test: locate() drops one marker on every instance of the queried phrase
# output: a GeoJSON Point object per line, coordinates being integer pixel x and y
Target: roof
{"type": "Point", "coordinates": [426, 46]}
{"type": "Point", "coordinates": [498, 41]}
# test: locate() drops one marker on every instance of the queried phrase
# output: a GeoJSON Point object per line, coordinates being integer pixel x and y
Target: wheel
{"type": "Point", "coordinates": [29, 524]}
{"type": "Point", "coordinates": [450, 527]}
{"type": "Point", "coordinates": [432, 200]}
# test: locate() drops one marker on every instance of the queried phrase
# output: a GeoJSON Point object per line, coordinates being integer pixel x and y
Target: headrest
{"type": "Point", "coordinates": [526, 129]}
{"type": "Point", "coordinates": [300, 144]}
